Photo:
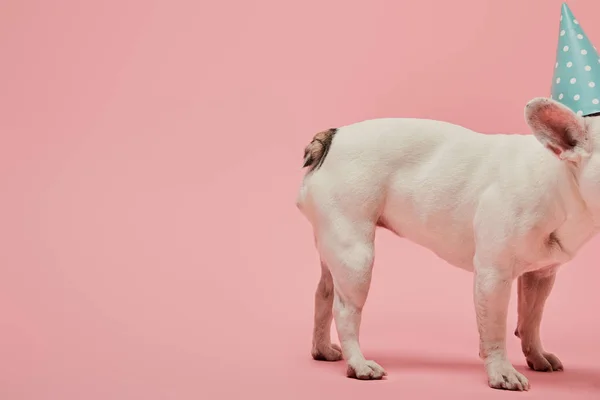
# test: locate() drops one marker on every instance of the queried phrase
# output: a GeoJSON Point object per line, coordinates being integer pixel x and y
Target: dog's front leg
{"type": "Point", "coordinates": [534, 288]}
{"type": "Point", "coordinates": [492, 289]}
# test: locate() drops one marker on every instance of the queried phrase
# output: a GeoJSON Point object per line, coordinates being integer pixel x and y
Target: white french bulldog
{"type": "Point", "coordinates": [502, 206]}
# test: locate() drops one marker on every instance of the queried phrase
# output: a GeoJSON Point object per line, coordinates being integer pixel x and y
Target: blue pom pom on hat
{"type": "Point", "coordinates": [576, 81]}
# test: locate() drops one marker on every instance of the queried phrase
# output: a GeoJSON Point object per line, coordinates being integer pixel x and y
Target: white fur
{"type": "Point", "coordinates": [484, 203]}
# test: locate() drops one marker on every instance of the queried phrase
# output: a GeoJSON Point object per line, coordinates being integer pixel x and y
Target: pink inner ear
{"type": "Point", "coordinates": [555, 117]}
{"type": "Point", "coordinates": [562, 126]}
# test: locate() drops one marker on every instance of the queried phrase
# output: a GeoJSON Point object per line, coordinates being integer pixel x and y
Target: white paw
{"type": "Point", "coordinates": [331, 352]}
{"type": "Point", "coordinates": [502, 375]}
{"type": "Point", "coordinates": [365, 370]}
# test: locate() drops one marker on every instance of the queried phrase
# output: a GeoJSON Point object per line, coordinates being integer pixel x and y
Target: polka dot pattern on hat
{"type": "Point", "coordinates": [575, 76]}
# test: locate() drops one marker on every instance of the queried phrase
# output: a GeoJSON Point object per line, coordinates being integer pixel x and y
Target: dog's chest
{"type": "Point", "coordinates": [560, 246]}
{"type": "Point", "coordinates": [574, 233]}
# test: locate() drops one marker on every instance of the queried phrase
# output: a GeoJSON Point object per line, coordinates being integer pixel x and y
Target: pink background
{"type": "Point", "coordinates": [149, 161]}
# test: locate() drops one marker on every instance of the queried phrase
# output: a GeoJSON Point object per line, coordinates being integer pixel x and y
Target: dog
{"type": "Point", "coordinates": [505, 207]}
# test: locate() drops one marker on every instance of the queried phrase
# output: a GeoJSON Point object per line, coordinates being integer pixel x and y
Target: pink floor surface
{"type": "Point", "coordinates": [150, 156]}
{"type": "Point", "coordinates": [160, 334]}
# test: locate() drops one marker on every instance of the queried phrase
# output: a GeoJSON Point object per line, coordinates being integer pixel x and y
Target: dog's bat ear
{"type": "Point", "coordinates": [559, 129]}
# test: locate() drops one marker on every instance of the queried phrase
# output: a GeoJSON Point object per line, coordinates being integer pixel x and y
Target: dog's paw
{"type": "Point", "coordinates": [544, 362]}
{"type": "Point", "coordinates": [502, 375]}
{"type": "Point", "coordinates": [330, 352]}
{"type": "Point", "coordinates": [366, 370]}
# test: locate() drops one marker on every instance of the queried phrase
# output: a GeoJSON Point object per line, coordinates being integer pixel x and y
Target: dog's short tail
{"type": "Point", "coordinates": [317, 149]}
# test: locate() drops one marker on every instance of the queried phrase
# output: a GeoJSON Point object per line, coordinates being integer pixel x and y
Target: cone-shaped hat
{"type": "Point", "coordinates": [576, 81]}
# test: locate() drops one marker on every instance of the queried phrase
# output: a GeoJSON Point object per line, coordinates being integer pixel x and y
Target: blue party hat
{"type": "Point", "coordinates": [576, 81]}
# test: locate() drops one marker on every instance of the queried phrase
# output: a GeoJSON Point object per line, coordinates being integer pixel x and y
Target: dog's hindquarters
{"type": "Point", "coordinates": [342, 205]}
